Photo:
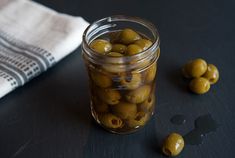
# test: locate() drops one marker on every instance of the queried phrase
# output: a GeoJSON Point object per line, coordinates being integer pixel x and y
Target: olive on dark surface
{"type": "Point", "coordinates": [199, 85]}
{"type": "Point", "coordinates": [194, 68]}
{"type": "Point", "coordinates": [173, 144]}
{"type": "Point", "coordinates": [212, 74]}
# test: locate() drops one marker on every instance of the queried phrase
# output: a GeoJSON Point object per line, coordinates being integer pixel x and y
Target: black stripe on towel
{"type": "Point", "coordinates": [11, 73]}
{"type": "Point", "coordinates": [44, 55]}
{"type": "Point", "coordinates": [24, 53]}
{"type": "Point", "coordinates": [5, 61]}
{"type": "Point", "coordinates": [9, 78]}
{"type": "Point", "coordinates": [22, 61]}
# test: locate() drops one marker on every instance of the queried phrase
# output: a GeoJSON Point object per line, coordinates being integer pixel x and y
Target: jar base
{"type": "Point", "coordinates": [117, 131]}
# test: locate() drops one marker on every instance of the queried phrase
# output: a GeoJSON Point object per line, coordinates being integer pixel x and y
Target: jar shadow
{"type": "Point", "coordinates": [153, 144]}
{"type": "Point", "coordinates": [52, 108]}
{"type": "Point", "coordinates": [75, 105]}
{"type": "Point", "coordinates": [61, 93]}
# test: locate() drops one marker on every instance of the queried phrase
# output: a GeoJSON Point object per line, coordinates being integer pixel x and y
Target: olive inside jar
{"type": "Point", "coordinates": [121, 53]}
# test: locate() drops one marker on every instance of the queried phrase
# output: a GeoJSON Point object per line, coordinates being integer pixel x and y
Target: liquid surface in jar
{"type": "Point", "coordinates": [122, 100]}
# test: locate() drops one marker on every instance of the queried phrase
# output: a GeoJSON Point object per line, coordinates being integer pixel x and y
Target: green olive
{"type": "Point", "coordinates": [151, 73]}
{"type": "Point", "coordinates": [109, 96]}
{"type": "Point", "coordinates": [133, 49]}
{"type": "Point", "coordinates": [148, 103]}
{"type": "Point", "coordinates": [212, 74]}
{"type": "Point", "coordinates": [110, 121]}
{"type": "Point", "coordinates": [138, 95]}
{"type": "Point", "coordinates": [101, 79]}
{"type": "Point", "coordinates": [140, 119]}
{"type": "Point", "coordinates": [173, 144]}
{"type": "Point", "coordinates": [120, 48]}
{"type": "Point", "coordinates": [129, 36]}
{"type": "Point", "coordinates": [101, 46]}
{"type": "Point", "coordinates": [199, 85]}
{"type": "Point", "coordinates": [131, 81]}
{"type": "Point", "coordinates": [114, 54]}
{"type": "Point", "coordinates": [100, 106]}
{"type": "Point", "coordinates": [144, 43]}
{"type": "Point", "coordinates": [195, 68]}
{"type": "Point", "coordinates": [125, 110]}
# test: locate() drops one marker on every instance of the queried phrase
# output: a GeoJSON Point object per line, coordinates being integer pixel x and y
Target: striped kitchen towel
{"type": "Point", "coordinates": [32, 39]}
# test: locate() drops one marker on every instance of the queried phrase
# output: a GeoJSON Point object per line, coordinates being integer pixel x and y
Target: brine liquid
{"type": "Point", "coordinates": [203, 125]}
{"type": "Point", "coordinates": [99, 101]}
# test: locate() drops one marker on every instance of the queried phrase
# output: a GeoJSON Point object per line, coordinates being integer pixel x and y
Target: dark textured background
{"type": "Point", "coordinates": [50, 118]}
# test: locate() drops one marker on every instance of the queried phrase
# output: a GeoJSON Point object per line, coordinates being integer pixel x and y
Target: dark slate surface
{"type": "Point", "coordinates": [50, 118]}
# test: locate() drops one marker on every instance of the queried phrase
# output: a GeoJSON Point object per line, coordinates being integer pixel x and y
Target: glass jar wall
{"type": "Point", "coordinates": [121, 54]}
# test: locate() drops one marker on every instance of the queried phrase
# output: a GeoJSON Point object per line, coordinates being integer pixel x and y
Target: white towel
{"type": "Point", "coordinates": [32, 39]}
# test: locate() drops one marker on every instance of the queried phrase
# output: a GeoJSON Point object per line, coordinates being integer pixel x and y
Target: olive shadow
{"type": "Point", "coordinates": [175, 77]}
{"type": "Point", "coordinates": [153, 144]}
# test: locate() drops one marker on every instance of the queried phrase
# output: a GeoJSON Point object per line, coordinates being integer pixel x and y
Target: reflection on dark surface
{"type": "Point", "coordinates": [204, 124]}
{"type": "Point", "coordinates": [178, 119]}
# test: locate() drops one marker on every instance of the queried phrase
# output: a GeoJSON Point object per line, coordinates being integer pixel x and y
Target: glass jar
{"type": "Point", "coordinates": [122, 88]}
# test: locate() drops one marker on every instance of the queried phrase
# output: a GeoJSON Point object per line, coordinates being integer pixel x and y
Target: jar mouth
{"type": "Point", "coordinates": [110, 23]}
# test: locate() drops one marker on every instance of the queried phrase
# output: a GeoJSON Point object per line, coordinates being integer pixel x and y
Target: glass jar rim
{"type": "Point", "coordinates": [124, 59]}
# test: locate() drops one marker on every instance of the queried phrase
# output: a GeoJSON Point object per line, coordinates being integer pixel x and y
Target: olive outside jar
{"type": "Point", "coordinates": [122, 88]}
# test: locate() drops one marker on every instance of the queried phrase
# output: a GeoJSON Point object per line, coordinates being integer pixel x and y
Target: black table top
{"type": "Point", "coordinates": [50, 116]}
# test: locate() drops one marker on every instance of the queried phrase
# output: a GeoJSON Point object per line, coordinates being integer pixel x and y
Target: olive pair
{"type": "Point", "coordinates": [203, 75]}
